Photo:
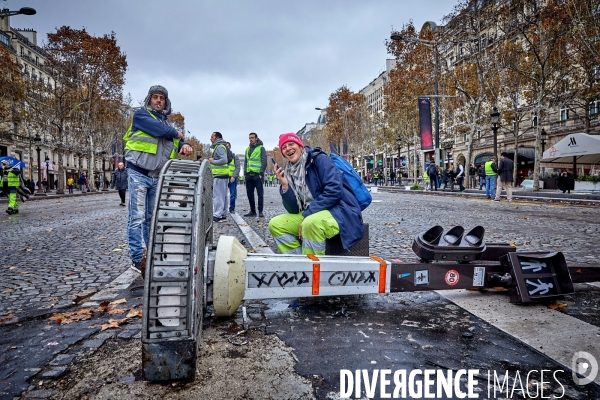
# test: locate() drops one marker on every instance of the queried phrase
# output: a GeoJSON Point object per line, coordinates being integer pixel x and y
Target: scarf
{"type": "Point", "coordinates": [296, 174]}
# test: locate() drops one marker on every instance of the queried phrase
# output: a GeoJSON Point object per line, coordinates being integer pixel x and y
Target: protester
{"type": "Point", "coordinates": [318, 200]}
{"type": "Point", "coordinates": [82, 182]}
{"type": "Point", "coordinates": [234, 172]}
{"type": "Point", "coordinates": [460, 176]}
{"type": "Point", "coordinates": [150, 143]}
{"type": "Point", "coordinates": [10, 180]}
{"type": "Point", "coordinates": [256, 164]}
{"type": "Point", "coordinates": [472, 174]}
{"type": "Point", "coordinates": [505, 176]}
{"type": "Point", "coordinates": [491, 171]}
{"type": "Point", "coordinates": [70, 184]}
{"type": "Point", "coordinates": [219, 167]}
{"type": "Point", "coordinates": [119, 181]}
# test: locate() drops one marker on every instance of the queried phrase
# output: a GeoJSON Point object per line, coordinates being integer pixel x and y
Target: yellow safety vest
{"type": "Point", "coordinates": [145, 143]}
{"type": "Point", "coordinates": [219, 169]}
{"type": "Point", "coordinates": [232, 166]}
{"type": "Point", "coordinates": [488, 169]}
{"type": "Point", "coordinates": [12, 179]}
{"type": "Point", "coordinates": [254, 164]}
{"type": "Point", "coordinates": [425, 177]}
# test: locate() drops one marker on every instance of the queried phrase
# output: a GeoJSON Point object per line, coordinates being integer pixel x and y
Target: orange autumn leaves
{"type": "Point", "coordinates": [112, 308]}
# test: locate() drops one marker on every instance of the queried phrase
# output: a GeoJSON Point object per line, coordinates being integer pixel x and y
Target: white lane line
{"type": "Point", "coordinates": [253, 238]}
{"type": "Point", "coordinates": [111, 291]}
{"type": "Point", "coordinates": [552, 333]}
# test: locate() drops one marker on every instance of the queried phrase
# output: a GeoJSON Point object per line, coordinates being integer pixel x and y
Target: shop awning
{"type": "Point", "coordinates": [579, 148]}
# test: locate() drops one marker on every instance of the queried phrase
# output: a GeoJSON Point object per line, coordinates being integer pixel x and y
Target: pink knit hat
{"type": "Point", "coordinates": [289, 137]}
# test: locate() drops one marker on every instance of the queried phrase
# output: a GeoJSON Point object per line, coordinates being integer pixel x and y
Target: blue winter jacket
{"type": "Point", "coordinates": [331, 191]}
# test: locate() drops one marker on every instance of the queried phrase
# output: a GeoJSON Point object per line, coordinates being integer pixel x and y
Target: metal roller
{"type": "Point", "coordinates": [174, 293]}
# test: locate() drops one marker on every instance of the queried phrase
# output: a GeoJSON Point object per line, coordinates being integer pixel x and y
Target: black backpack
{"type": "Point", "coordinates": [431, 170]}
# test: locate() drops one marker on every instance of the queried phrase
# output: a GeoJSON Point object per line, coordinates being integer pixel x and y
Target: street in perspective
{"type": "Point", "coordinates": [71, 310]}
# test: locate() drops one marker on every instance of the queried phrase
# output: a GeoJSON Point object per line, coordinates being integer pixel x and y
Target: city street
{"type": "Point", "coordinates": [64, 274]}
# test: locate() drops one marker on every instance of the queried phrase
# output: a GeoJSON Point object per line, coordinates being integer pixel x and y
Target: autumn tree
{"type": "Point", "coordinates": [85, 100]}
{"type": "Point", "coordinates": [12, 92]}
{"type": "Point", "coordinates": [539, 31]}
{"type": "Point", "coordinates": [344, 118]}
{"type": "Point", "coordinates": [584, 52]}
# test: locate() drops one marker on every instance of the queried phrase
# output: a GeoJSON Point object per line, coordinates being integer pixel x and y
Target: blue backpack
{"type": "Point", "coordinates": [360, 191]}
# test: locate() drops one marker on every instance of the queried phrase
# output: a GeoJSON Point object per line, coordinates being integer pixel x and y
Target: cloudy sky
{"type": "Point", "coordinates": [241, 66]}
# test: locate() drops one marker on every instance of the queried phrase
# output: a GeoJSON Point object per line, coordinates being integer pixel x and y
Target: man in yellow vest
{"type": "Point", "coordinates": [150, 143]}
{"type": "Point", "coordinates": [219, 166]}
{"type": "Point", "coordinates": [234, 172]}
{"type": "Point", "coordinates": [256, 164]}
{"type": "Point", "coordinates": [9, 182]}
{"type": "Point", "coordinates": [491, 171]}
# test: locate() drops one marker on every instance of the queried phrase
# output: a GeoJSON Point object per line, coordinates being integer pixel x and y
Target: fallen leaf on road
{"type": "Point", "coordinates": [117, 311]}
{"type": "Point", "coordinates": [103, 306]}
{"type": "Point", "coordinates": [134, 313]}
{"type": "Point", "coordinates": [28, 250]}
{"type": "Point", "coordinates": [13, 347]}
{"type": "Point", "coordinates": [71, 273]}
{"type": "Point", "coordinates": [11, 267]}
{"type": "Point", "coordinates": [401, 233]}
{"type": "Point", "coordinates": [525, 217]}
{"type": "Point", "coordinates": [117, 249]}
{"type": "Point", "coordinates": [8, 291]}
{"type": "Point", "coordinates": [120, 301]}
{"type": "Point", "coordinates": [555, 305]}
{"type": "Point", "coordinates": [49, 230]}
{"type": "Point", "coordinates": [7, 317]}
{"type": "Point", "coordinates": [113, 323]}
{"type": "Point", "coordinates": [101, 237]}
{"type": "Point", "coordinates": [73, 316]}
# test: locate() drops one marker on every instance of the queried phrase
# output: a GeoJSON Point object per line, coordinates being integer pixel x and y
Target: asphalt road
{"type": "Point", "coordinates": [62, 252]}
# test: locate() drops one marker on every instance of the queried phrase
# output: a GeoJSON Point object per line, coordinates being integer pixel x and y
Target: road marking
{"type": "Point", "coordinates": [252, 237]}
{"type": "Point", "coordinates": [111, 291]}
{"type": "Point", "coordinates": [556, 335]}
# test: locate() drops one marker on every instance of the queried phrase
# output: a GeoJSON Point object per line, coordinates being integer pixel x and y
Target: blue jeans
{"type": "Point", "coordinates": [232, 194]}
{"type": "Point", "coordinates": [141, 200]}
{"type": "Point", "coordinates": [490, 186]}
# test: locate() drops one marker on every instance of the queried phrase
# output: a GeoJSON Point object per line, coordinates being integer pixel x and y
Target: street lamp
{"type": "Point", "coordinates": [431, 44]}
{"type": "Point", "coordinates": [494, 116]}
{"type": "Point", "coordinates": [24, 10]}
{"type": "Point", "coordinates": [37, 139]}
{"type": "Point", "coordinates": [398, 146]}
{"type": "Point", "coordinates": [104, 188]}
{"type": "Point", "coordinates": [47, 170]}
{"type": "Point", "coordinates": [543, 141]}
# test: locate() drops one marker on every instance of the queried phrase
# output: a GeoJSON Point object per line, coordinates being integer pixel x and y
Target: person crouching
{"type": "Point", "coordinates": [318, 200]}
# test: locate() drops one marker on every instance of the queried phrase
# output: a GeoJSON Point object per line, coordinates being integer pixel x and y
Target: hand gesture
{"type": "Point", "coordinates": [280, 176]}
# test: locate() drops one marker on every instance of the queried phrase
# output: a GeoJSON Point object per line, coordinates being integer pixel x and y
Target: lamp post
{"type": "Point", "coordinates": [24, 10]}
{"type": "Point", "coordinates": [40, 192]}
{"type": "Point", "coordinates": [104, 188]}
{"type": "Point", "coordinates": [48, 171]}
{"type": "Point", "coordinates": [398, 147]}
{"type": "Point", "coordinates": [352, 153]}
{"type": "Point", "coordinates": [494, 116]}
{"type": "Point", "coordinates": [543, 141]}
{"type": "Point", "coordinates": [433, 45]}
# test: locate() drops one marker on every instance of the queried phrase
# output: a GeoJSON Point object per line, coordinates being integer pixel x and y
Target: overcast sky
{"type": "Point", "coordinates": [241, 66]}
